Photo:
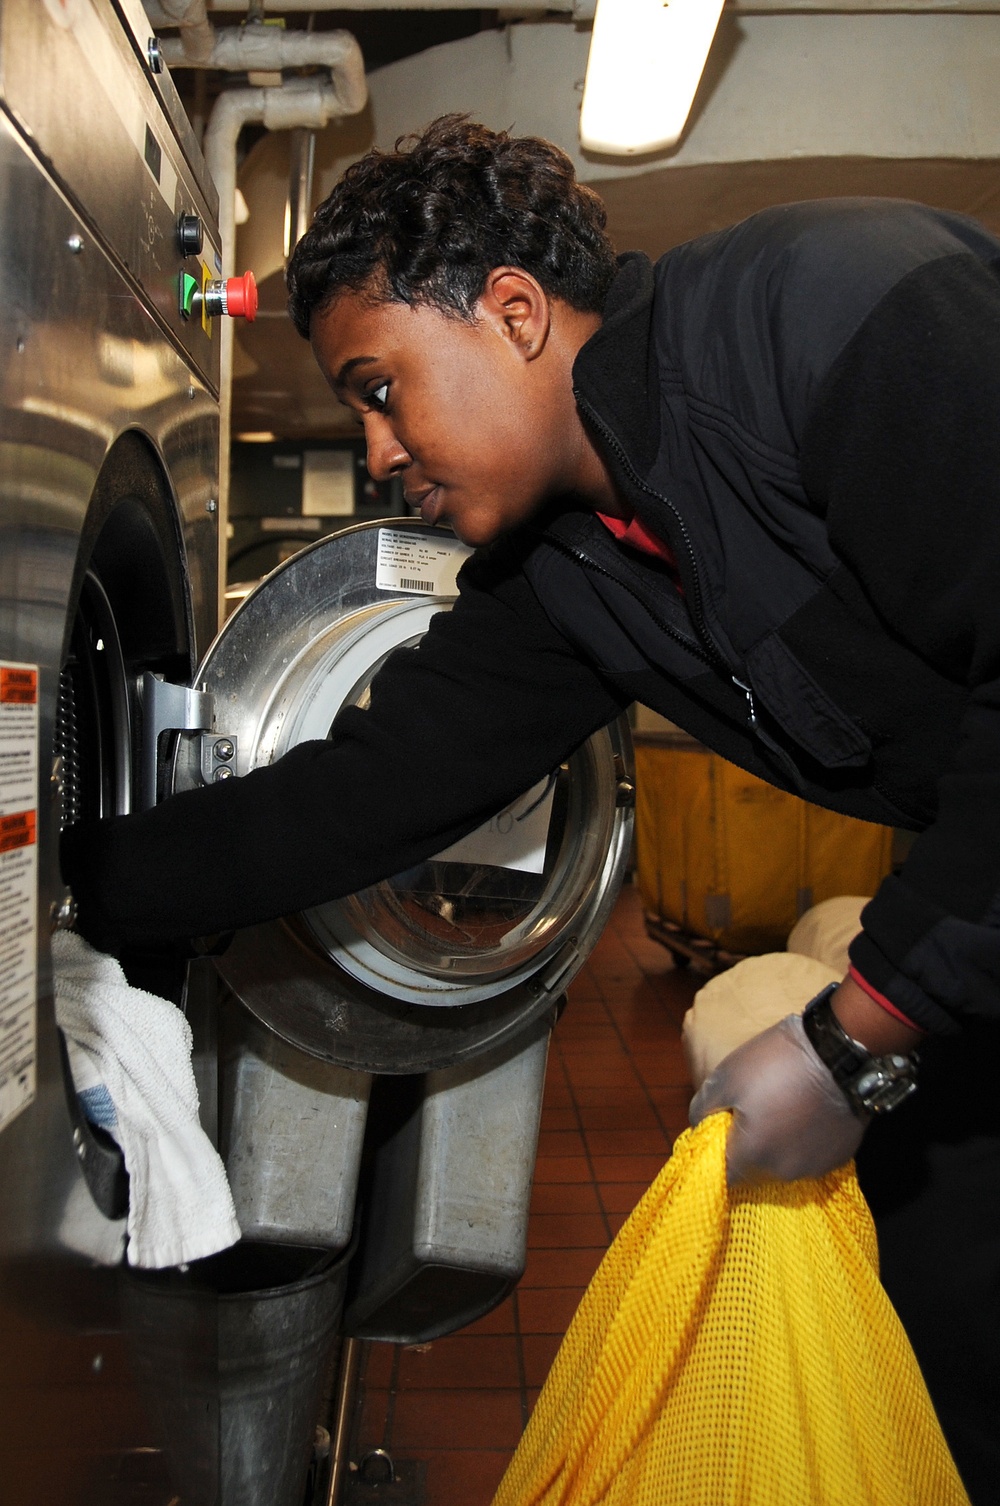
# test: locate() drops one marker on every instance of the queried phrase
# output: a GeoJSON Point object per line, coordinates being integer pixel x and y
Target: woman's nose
{"type": "Point", "coordinates": [386, 456]}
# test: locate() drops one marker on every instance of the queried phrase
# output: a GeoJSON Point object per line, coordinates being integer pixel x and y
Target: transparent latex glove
{"type": "Point", "coordinates": [790, 1119]}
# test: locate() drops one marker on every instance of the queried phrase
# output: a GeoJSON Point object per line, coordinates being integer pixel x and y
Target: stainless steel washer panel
{"type": "Point", "coordinates": [307, 641]}
{"type": "Point", "coordinates": [84, 370]}
{"type": "Point", "coordinates": [71, 86]}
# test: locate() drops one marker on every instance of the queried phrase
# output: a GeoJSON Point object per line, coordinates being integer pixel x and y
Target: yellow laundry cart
{"type": "Point", "coordinates": [727, 864]}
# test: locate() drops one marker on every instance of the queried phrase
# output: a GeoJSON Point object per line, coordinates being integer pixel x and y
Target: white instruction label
{"type": "Point", "coordinates": [515, 838]}
{"type": "Point", "coordinates": [18, 884]}
{"type": "Point", "coordinates": [425, 564]}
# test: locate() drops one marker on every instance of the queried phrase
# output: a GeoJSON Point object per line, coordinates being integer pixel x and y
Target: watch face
{"type": "Point", "coordinates": [880, 1089]}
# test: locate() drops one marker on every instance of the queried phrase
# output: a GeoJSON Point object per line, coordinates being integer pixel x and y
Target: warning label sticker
{"type": "Point", "coordinates": [423, 564]}
{"type": "Point", "coordinates": [18, 885]}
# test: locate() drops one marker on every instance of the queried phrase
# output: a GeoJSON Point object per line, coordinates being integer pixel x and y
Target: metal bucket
{"type": "Point", "coordinates": [233, 1356]}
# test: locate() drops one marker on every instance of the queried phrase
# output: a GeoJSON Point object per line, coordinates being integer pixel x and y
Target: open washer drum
{"type": "Point", "coordinates": [390, 1052]}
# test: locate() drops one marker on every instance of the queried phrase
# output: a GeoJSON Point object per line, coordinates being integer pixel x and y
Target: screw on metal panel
{"type": "Point", "coordinates": [75, 244]}
{"type": "Point", "coordinates": [224, 772]}
{"type": "Point", "coordinates": [224, 748]}
{"type": "Point", "coordinates": [155, 55]}
{"type": "Point", "coordinates": [63, 912]}
{"type": "Point", "coordinates": [211, 506]}
{"type": "Point", "coordinates": [19, 345]}
{"type": "Point", "coordinates": [97, 1363]}
{"type": "Point", "coordinates": [191, 393]}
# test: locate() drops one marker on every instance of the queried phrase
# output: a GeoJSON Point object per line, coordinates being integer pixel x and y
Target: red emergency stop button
{"type": "Point", "coordinates": [241, 297]}
{"type": "Point", "coordinates": [235, 296]}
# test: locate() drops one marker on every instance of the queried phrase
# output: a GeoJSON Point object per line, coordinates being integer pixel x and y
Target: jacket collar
{"type": "Point", "coordinates": [615, 372]}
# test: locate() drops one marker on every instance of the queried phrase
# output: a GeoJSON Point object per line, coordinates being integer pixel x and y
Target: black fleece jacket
{"type": "Point", "coordinates": [806, 407]}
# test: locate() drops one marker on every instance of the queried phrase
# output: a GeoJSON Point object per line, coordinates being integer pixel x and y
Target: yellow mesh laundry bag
{"type": "Point", "coordinates": [735, 1348]}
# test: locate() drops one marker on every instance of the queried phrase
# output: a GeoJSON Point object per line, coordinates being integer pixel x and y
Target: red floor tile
{"type": "Point", "coordinates": [378, 1362]}
{"type": "Point", "coordinates": [631, 1094]}
{"type": "Point", "coordinates": [546, 1310]}
{"type": "Point", "coordinates": [563, 1169]}
{"type": "Point", "coordinates": [629, 1168]}
{"type": "Point", "coordinates": [671, 1098]}
{"type": "Point", "coordinates": [586, 1072]}
{"type": "Point", "coordinates": [586, 1035]}
{"type": "Point", "coordinates": [662, 1072]}
{"type": "Point", "coordinates": [371, 1427]}
{"type": "Point", "coordinates": [627, 1142]}
{"type": "Point", "coordinates": [561, 1143]}
{"type": "Point", "coordinates": [621, 1197]}
{"type": "Point", "coordinates": [554, 1268]}
{"type": "Point", "coordinates": [564, 1197]}
{"type": "Point", "coordinates": [459, 1478]}
{"type": "Point", "coordinates": [469, 1419]}
{"type": "Point", "coordinates": [561, 1231]}
{"type": "Point", "coordinates": [500, 1320]}
{"type": "Point", "coordinates": [562, 1118]}
{"type": "Point", "coordinates": [487, 1361]}
{"type": "Point", "coordinates": [539, 1352]}
{"type": "Point", "coordinates": [593, 1010]}
{"type": "Point", "coordinates": [636, 1114]}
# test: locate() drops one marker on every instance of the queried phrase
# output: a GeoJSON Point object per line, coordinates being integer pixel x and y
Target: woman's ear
{"type": "Point", "coordinates": [517, 307]}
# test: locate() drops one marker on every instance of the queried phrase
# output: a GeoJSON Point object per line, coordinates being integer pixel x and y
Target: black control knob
{"type": "Point", "coordinates": [190, 235]}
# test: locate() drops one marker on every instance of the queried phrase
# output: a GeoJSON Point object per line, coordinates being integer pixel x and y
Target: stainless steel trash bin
{"type": "Point", "coordinates": [234, 1354]}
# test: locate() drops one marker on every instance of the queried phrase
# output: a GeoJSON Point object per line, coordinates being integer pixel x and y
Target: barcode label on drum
{"type": "Point", "coordinates": [421, 563]}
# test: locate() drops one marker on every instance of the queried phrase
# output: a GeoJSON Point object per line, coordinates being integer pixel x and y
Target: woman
{"type": "Point", "coordinates": [754, 486]}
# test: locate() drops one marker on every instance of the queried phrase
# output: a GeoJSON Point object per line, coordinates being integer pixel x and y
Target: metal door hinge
{"type": "Point", "coordinates": [168, 708]}
{"type": "Point", "coordinates": [218, 756]}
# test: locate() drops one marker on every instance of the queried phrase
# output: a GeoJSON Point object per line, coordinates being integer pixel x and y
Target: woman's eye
{"type": "Point", "coordinates": [379, 396]}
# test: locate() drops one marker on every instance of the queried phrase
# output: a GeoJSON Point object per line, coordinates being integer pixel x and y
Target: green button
{"type": "Point", "coordinates": [186, 289]}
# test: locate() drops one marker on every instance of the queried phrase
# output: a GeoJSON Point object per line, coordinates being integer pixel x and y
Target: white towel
{"type": "Point", "coordinates": [130, 1053]}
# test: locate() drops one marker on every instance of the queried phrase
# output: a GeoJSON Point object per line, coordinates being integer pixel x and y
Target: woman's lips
{"type": "Point", "coordinates": [431, 504]}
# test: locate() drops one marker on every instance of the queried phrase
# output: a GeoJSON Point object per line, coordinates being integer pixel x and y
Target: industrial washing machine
{"type": "Point", "coordinates": [109, 384]}
{"type": "Point", "coordinates": [372, 1071]}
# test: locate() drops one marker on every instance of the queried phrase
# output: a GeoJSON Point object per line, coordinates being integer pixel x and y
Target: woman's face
{"type": "Point", "coordinates": [476, 417]}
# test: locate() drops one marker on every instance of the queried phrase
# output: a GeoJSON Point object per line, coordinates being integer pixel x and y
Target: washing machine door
{"type": "Point", "coordinates": [462, 953]}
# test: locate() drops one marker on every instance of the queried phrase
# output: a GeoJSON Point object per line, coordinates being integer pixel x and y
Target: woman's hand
{"type": "Point", "coordinates": [790, 1119]}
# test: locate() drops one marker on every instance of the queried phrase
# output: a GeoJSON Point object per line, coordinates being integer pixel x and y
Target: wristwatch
{"type": "Point", "coordinates": [871, 1084]}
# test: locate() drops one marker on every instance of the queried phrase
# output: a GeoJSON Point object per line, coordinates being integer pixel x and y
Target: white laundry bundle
{"type": "Point", "coordinates": [738, 1004]}
{"type": "Point", "coordinates": [130, 1055]}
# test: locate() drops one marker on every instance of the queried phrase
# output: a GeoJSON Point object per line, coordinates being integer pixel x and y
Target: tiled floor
{"type": "Point", "coordinates": [616, 1098]}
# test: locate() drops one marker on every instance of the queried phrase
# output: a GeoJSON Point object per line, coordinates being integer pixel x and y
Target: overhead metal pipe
{"type": "Point", "coordinates": [310, 103]}
{"type": "Point", "coordinates": [268, 49]}
{"type": "Point", "coordinates": [197, 33]}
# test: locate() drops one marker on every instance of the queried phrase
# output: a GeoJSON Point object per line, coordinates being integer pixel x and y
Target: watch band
{"type": "Point", "coordinates": [871, 1084]}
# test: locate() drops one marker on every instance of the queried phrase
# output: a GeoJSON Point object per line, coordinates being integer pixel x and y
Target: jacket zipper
{"type": "Point", "coordinates": [714, 655]}
{"type": "Point", "coordinates": [585, 559]}
{"type": "Point", "coordinates": [753, 724]}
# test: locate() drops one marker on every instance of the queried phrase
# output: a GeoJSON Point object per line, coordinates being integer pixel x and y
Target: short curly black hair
{"type": "Point", "coordinates": [427, 222]}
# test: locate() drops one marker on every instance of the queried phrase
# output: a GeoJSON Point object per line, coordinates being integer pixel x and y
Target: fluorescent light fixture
{"type": "Point", "coordinates": [646, 60]}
